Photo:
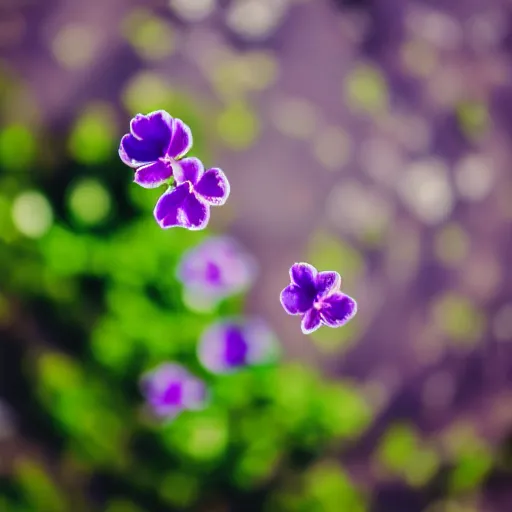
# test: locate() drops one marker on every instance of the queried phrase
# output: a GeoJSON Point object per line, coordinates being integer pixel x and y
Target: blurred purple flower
{"type": "Point", "coordinates": [155, 143]}
{"type": "Point", "coordinates": [188, 205]}
{"type": "Point", "coordinates": [316, 296]}
{"type": "Point", "coordinates": [215, 269]}
{"type": "Point", "coordinates": [228, 346]}
{"type": "Point", "coordinates": [170, 389]}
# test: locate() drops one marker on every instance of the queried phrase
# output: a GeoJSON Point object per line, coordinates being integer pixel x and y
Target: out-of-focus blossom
{"type": "Point", "coordinates": [215, 269]}
{"type": "Point", "coordinates": [228, 346]}
{"type": "Point", "coordinates": [170, 389]}
{"type": "Point", "coordinates": [188, 205]}
{"type": "Point", "coordinates": [316, 296]}
{"type": "Point", "coordinates": [154, 145]}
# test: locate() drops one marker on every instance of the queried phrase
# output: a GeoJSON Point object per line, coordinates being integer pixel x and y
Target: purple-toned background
{"type": "Point", "coordinates": [371, 137]}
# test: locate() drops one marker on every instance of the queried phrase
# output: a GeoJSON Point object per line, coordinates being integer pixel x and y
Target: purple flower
{"type": "Point", "coordinates": [170, 389]}
{"type": "Point", "coordinates": [316, 296]}
{"type": "Point", "coordinates": [215, 269]}
{"type": "Point", "coordinates": [188, 205]}
{"type": "Point", "coordinates": [228, 346]}
{"type": "Point", "coordinates": [154, 145]}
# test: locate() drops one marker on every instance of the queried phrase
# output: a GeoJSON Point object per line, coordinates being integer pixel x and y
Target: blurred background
{"type": "Point", "coordinates": [369, 137]}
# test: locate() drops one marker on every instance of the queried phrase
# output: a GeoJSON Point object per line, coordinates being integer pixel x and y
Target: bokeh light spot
{"type": "Point", "coordinates": [32, 214]}
{"type": "Point", "coordinates": [206, 435]}
{"type": "Point", "coordinates": [295, 117]}
{"type": "Point", "coordinates": [93, 137]}
{"type": "Point", "coordinates": [426, 190]}
{"type": "Point", "coordinates": [238, 126]}
{"type": "Point", "coordinates": [89, 201]}
{"type": "Point", "coordinates": [328, 252]}
{"type": "Point", "coordinates": [145, 92]}
{"type": "Point", "coordinates": [452, 244]}
{"type": "Point", "coordinates": [75, 45]}
{"type": "Point", "coordinates": [419, 58]}
{"type": "Point", "coordinates": [192, 10]}
{"type": "Point", "coordinates": [332, 147]}
{"type": "Point", "coordinates": [255, 20]}
{"type": "Point", "coordinates": [151, 37]}
{"type": "Point", "coordinates": [366, 90]}
{"type": "Point", "coordinates": [473, 118]}
{"type": "Point", "coordinates": [474, 177]}
{"type": "Point", "coordinates": [458, 318]}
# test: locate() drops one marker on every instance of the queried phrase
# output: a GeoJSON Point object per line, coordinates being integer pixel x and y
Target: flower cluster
{"type": "Point", "coordinates": [225, 347]}
{"type": "Point", "coordinates": [156, 147]}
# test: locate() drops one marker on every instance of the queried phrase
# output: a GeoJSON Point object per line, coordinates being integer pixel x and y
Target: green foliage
{"type": "Point", "coordinates": [403, 454]}
{"type": "Point", "coordinates": [17, 147]}
{"type": "Point", "coordinates": [39, 491]}
{"type": "Point", "coordinates": [325, 487]}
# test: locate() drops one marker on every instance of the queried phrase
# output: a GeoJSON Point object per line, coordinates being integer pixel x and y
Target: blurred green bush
{"type": "Point", "coordinates": [88, 285]}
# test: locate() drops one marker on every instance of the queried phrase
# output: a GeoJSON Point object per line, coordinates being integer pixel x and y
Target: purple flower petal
{"type": "Point", "coordinates": [172, 396]}
{"type": "Point", "coordinates": [311, 321]}
{"type": "Point", "coordinates": [181, 141]}
{"type": "Point", "coordinates": [327, 282]}
{"type": "Point", "coordinates": [235, 348]}
{"type": "Point", "coordinates": [168, 207]}
{"type": "Point", "coordinates": [211, 350]}
{"type": "Point", "coordinates": [162, 389]}
{"type": "Point", "coordinates": [303, 275]}
{"type": "Point", "coordinates": [194, 393]}
{"type": "Point", "coordinates": [225, 347]}
{"type": "Point", "coordinates": [188, 169]}
{"type": "Point", "coordinates": [153, 175]}
{"type": "Point", "coordinates": [338, 309]}
{"type": "Point", "coordinates": [196, 213]}
{"type": "Point", "coordinates": [135, 153]}
{"type": "Point", "coordinates": [157, 380]}
{"type": "Point", "coordinates": [170, 388]}
{"type": "Point", "coordinates": [181, 207]}
{"type": "Point", "coordinates": [164, 411]}
{"type": "Point", "coordinates": [296, 300]}
{"type": "Point", "coordinates": [156, 126]}
{"type": "Point", "coordinates": [213, 187]}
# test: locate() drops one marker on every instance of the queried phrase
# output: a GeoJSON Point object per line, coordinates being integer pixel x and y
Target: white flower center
{"type": "Point", "coordinates": [317, 305]}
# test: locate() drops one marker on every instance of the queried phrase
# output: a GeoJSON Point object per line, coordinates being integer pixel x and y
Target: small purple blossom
{"type": "Point", "coordinates": [156, 147]}
{"type": "Point", "coordinates": [215, 269]}
{"type": "Point", "coordinates": [170, 389]}
{"type": "Point", "coordinates": [228, 346]}
{"type": "Point", "coordinates": [153, 147]}
{"type": "Point", "coordinates": [317, 297]}
{"type": "Point", "coordinates": [188, 205]}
